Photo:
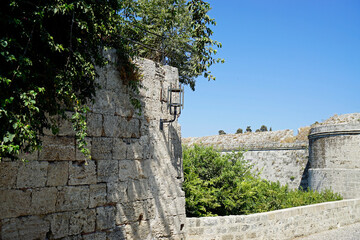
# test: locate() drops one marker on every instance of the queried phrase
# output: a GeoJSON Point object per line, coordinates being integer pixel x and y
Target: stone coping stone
{"type": "Point", "coordinates": [274, 140]}
{"type": "Point", "coordinates": [338, 129]}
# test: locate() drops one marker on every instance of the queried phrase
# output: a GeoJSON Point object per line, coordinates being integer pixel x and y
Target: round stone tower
{"type": "Point", "coordinates": [334, 148]}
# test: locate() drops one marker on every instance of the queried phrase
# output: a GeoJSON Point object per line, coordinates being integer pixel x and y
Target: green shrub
{"type": "Point", "coordinates": [239, 131]}
{"type": "Point", "coordinates": [225, 184]}
{"type": "Point", "coordinates": [222, 132]}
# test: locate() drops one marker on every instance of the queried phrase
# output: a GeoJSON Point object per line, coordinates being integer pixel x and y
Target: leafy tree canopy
{"type": "Point", "coordinates": [263, 128]}
{"type": "Point", "coordinates": [222, 132]}
{"type": "Point", "coordinates": [181, 30]}
{"type": "Point", "coordinates": [239, 131]}
{"type": "Point", "coordinates": [49, 50]}
{"type": "Point", "coordinates": [248, 129]}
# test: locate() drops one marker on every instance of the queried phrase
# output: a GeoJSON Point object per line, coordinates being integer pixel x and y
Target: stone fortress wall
{"type": "Point", "coordinates": [278, 155]}
{"type": "Point", "coordinates": [131, 189]}
{"type": "Point", "coordinates": [335, 155]}
{"type": "Point", "coordinates": [325, 155]}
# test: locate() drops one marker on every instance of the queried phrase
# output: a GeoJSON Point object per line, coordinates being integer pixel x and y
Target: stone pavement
{"type": "Point", "coordinates": [350, 232]}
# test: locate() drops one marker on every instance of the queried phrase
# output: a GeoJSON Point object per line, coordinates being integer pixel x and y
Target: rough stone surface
{"type": "Point", "coordinates": [107, 171]}
{"type": "Point", "coordinates": [286, 166]}
{"type": "Point", "coordinates": [8, 173]}
{"type": "Point", "coordinates": [58, 173]}
{"type": "Point", "coordinates": [105, 218]}
{"type": "Point", "coordinates": [14, 203]}
{"type": "Point", "coordinates": [32, 227]}
{"type": "Point", "coordinates": [349, 232]}
{"type": "Point", "coordinates": [82, 221]}
{"type": "Point", "coordinates": [32, 174]}
{"type": "Point", "coordinates": [43, 200]}
{"type": "Point", "coordinates": [281, 224]}
{"type": "Point", "coordinates": [278, 156]}
{"type": "Point", "coordinates": [81, 173]}
{"type": "Point", "coordinates": [59, 224]}
{"type": "Point", "coordinates": [335, 156]}
{"type": "Point", "coordinates": [131, 179]}
{"type": "Point", "coordinates": [72, 198]}
{"type": "Point", "coordinates": [57, 148]}
{"type": "Point", "coordinates": [97, 195]}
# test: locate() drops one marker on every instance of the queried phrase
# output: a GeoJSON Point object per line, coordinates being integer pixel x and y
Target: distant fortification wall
{"type": "Point", "coordinates": [278, 155]}
{"type": "Point", "coordinates": [335, 155]}
{"type": "Point", "coordinates": [131, 189]}
{"type": "Point", "coordinates": [325, 155]}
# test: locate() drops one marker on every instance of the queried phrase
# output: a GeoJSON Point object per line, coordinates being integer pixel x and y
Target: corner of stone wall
{"type": "Point", "coordinates": [131, 189]}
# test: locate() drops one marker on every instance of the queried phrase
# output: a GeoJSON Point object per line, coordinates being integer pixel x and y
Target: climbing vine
{"type": "Point", "coordinates": [49, 50]}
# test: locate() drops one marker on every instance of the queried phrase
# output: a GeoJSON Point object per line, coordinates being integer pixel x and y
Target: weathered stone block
{"type": "Point", "coordinates": [25, 228]}
{"type": "Point", "coordinates": [135, 151]}
{"type": "Point", "coordinates": [81, 173]}
{"type": "Point", "coordinates": [132, 212]}
{"type": "Point", "coordinates": [32, 174]}
{"type": "Point", "coordinates": [101, 148]}
{"type": "Point", "coordinates": [123, 106]}
{"type": "Point", "coordinates": [43, 200]}
{"type": "Point", "coordinates": [65, 126]}
{"type": "Point", "coordinates": [97, 195]}
{"type": "Point", "coordinates": [117, 192]}
{"type": "Point", "coordinates": [113, 80]}
{"type": "Point", "coordinates": [95, 125]}
{"type": "Point", "coordinates": [147, 68]}
{"type": "Point", "coordinates": [104, 102]}
{"type": "Point", "coordinates": [82, 221]}
{"type": "Point", "coordinates": [95, 236]}
{"type": "Point", "coordinates": [114, 125]}
{"type": "Point", "coordinates": [127, 170]}
{"type": "Point", "coordinates": [120, 127]}
{"type": "Point", "coordinates": [105, 217]}
{"type": "Point", "coordinates": [59, 224]}
{"type": "Point", "coordinates": [139, 230]}
{"type": "Point", "coordinates": [174, 206]}
{"type": "Point", "coordinates": [117, 233]}
{"type": "Point", "coordinates": [138, 190]}
{"type": "Point", "coordinates": [34, 156]}
{"type": "Point", "coordinates": [8, 173]}
{"type": "Point", "coordinates": [57, 148]}
{"type": "Point", "coordinates": [72, 198]}
{"type": "Point", "coordinates": [58, 173]}
{"type": "Point", "coordinates": [133, 128]}
{"type": "Point", "coordinates": [107, 171]}
{"type": "Point", "coordinates": [120, 147]}
{"type": "Point", "coordinates": [144, 168]}
{"type": "Point", "coordinates": [101, 79]}
{"type": "Point", "coordinates": [14, 203]}
{"type": "Point", "coordinates": [133, 169]}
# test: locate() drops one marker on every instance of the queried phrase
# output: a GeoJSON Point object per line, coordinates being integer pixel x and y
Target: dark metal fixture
{"type": "Point", "coordinates": [175, 100]}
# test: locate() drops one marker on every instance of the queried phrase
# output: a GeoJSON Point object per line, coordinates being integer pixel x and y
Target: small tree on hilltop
{"type": "Point", "coordinates": [222, 132]}
{"type": "Point", "coordinates": [248, 129]}
{"type": "Point", "coordinates": [263, 128]}
{"type": "Point", "coordinates": [239, 131]}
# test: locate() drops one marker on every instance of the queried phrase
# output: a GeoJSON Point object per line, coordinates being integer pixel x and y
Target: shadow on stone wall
{"type": "Point", "coordinates": [304, 183]}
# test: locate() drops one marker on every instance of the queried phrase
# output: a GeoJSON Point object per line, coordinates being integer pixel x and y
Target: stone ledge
{"type": "Point", "coordinates": [330, 130]}
{"type": "Point", "coordinates": [280, 224]}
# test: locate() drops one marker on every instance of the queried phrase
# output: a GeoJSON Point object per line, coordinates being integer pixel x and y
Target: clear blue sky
{"type": "Point", "coordinates": [288, 64]}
